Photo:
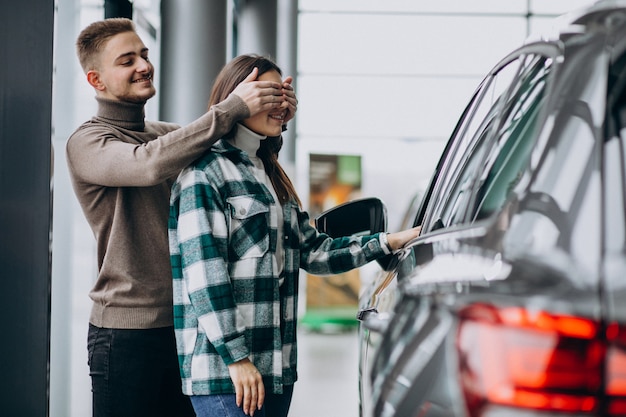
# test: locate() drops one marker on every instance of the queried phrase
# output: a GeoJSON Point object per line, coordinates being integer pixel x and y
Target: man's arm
{"type": "Point", "coordinates": [98, 155]}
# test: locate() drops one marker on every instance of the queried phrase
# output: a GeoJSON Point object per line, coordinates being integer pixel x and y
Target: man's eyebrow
{"type": "Point", "coordinates": [131, 53]}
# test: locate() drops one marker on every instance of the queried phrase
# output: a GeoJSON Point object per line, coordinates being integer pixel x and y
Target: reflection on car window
{"type": "Point", "coordinates": [510, 152]}
{"type": "Point", "coordinates": [451, 196]}
{"type": "Point", "coordinates": [614, 168]}
{"type": "Point", "coordinates": [561, 211]}
{"type": "Point", "coordinates": [614, 175]}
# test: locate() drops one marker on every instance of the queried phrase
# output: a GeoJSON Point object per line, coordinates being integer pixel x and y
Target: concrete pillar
{"type": "Point", "coordinates": [65, 62]}
{"type": "Point", "coordinates": [27, 29]}
{"type": "Point", "coordinates": [287, 59]}
{"type": "Point", "coordinates": [270, 28]}
{"type": "Point", "coordinates": [118, 8]}
{"type": "Point", "coordinates": [256, 27]}
{"type": "Point", "coordinates": [193, 51]}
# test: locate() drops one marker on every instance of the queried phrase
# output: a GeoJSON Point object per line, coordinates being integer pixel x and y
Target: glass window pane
{"type": "Point", "coordinates": [453, 190]}
{"type": "Point", "coordinates": [561, 213]}
{"type": "Point", "coordinates": [512, 149]}
{"type": "Point", "coordinates": [614, 175]}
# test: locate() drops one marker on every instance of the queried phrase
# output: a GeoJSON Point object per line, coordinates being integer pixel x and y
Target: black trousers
{"type": "Point", "coordinates": [134, 373]}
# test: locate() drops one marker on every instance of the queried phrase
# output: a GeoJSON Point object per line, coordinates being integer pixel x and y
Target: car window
{"type": "Point", "coordinates": [614, 175]}
{"type": "Point", "coordinates": [450, 194]}
{"type": "Point", "coordinates": [560, 213]}
{"type": "Point", "coordinates": [495, 164]}
{"type": "Point", "coordinates": [510, 152]}
{"type": "Point", "coordinates": [614, 169]}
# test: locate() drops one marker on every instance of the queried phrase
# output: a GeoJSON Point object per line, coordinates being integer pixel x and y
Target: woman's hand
{"type": "Point", "coordinates": [399, 239]}
{"type": "Point", "coordinates": [249, 388]}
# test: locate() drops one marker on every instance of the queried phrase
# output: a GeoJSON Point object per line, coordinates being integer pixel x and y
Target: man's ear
{"type": "Point", "coordinates": [93, 78]}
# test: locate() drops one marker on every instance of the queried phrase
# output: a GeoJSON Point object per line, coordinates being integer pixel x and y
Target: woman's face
{"type": "Point", "coordinates": [268, 123]}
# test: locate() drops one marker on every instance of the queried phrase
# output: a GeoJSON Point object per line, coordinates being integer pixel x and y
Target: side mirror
{"type": "Point", "coordinates": [358, 217]}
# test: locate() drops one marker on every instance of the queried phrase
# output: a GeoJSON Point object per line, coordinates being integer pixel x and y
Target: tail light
{"type": "Point", "coordinates": [514, 357]}
{"type": "Point", "coordinates": [616, 370]}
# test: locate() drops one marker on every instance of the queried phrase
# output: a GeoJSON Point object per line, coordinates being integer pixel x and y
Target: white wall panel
{"type": "Point", "coordinates": [557, 6]}
{"type": "Point", "coordinates": [381, 107]}
{"type": "Point", "coordinates": [405, 44]}
{"type": "Point", "coordinates": [420, 6]}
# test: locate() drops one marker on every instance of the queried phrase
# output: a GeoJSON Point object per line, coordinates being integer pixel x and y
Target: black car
{"type": "Point", "coordinates": [512, 302]}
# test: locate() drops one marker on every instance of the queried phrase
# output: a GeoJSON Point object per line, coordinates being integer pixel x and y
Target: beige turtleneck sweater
{"type": "Point", "coordinates": [122, 168]}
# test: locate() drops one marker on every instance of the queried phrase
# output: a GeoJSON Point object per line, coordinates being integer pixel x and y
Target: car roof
{"type": "Point", "coordinates": [601, 15]}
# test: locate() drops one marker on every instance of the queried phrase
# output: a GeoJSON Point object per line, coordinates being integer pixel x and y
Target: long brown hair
{"type": "Point", "coordinates": [229, 77]}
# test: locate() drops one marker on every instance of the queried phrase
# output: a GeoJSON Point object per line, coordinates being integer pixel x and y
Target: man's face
{"type": "Point", "coordinates": [124, 73]}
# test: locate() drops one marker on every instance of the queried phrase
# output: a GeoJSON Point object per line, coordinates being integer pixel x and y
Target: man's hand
{"type": "Point", "coordinates": [249, 388]}
{"type": "Point", "coordinates": [260, 96]}
{"type": "Point", "coordinates": [290, 101]}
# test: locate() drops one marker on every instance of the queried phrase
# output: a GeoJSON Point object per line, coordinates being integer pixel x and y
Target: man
{"type": "Point", "coordinates": [122, 168]}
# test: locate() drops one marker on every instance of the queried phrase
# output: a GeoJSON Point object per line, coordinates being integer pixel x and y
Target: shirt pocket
{"type": "Point", "coordinates": [248, 229]}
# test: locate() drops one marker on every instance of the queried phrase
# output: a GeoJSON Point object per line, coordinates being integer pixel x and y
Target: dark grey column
{"type": "Point", "coordinates": [287, 59]}
{"type": "Point", "coordinates": [193, 50]}
{"type": "Point", "coordinates": [26, 28]}
{"type": "Point", "coordinates": [256, 27]}
{"type": "Point", "coordinates": [118, 8]}
{"type": "Point", "coordinates": [64, 99]}
{"type": "Point", "coordinates": [270, 28]}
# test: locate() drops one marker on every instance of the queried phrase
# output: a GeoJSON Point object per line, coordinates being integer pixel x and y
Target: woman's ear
{"type": "Point", "coordinates": [93, 78]}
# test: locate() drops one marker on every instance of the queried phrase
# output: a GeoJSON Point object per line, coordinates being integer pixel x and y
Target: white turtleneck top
{"type": "Point", "coordinates": [249, 142]}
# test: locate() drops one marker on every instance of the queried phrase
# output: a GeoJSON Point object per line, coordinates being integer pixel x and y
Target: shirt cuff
{"type": "Point", "coordinates": [384, 243]}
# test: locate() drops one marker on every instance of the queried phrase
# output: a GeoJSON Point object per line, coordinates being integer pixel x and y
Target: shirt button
{"type": "Point", "coordinates": [242, 211]}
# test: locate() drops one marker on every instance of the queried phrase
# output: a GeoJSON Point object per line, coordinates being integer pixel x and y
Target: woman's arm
{"type": "Point", "coordinates": [322, 255]}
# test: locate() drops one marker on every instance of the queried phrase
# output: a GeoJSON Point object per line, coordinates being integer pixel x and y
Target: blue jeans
{"type": "Point", "coordinates": [134, 373]}
{"type": "Point", "coordinates": [223, 405]}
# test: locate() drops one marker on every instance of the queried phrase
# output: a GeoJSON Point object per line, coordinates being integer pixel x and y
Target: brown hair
{"type": "Point", "coordinates": [94, 37]}
{"type": "Point", "coordinates": [229, 77]}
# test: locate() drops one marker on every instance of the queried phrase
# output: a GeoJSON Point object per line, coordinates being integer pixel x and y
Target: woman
{"type": "Point", "coordinates": [238, 237]}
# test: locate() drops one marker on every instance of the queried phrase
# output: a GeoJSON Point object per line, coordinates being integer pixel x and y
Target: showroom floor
{"type": "Point", "coordinates": [328, 373]}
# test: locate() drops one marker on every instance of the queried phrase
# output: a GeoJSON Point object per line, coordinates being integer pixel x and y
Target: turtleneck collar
{"type": "Point", "coordinates": [127, 115]}
{"type": "Point", "coordinates": [247, 140]}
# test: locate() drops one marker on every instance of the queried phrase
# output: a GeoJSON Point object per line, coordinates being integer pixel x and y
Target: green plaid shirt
{"type": "Point", "coordinates": [228, 304]}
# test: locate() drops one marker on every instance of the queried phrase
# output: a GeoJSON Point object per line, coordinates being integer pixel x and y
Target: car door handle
{"type": "Point", "coordinates": [362, 315]}
{"type": "Point", "coordinates": [372, 320]}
